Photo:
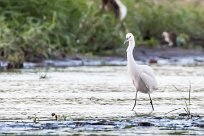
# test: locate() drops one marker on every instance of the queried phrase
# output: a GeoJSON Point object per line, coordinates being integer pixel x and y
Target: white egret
{"type": "Point", "coordinates": [142, 75]}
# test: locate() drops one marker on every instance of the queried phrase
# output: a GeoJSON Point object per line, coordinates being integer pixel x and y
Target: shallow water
{"type": "Point", "coordinates": [98, 100]}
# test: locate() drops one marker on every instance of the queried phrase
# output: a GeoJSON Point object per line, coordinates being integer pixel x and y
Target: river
{"type": "Point", "coordinates": [98, 100]}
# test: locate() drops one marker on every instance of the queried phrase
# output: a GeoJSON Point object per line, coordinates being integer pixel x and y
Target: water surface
{"type": "Point", "coordinates": [98, 100]}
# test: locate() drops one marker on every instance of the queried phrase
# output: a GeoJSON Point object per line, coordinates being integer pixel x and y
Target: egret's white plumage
{"type": "Point", "coordinates": [142, 75]}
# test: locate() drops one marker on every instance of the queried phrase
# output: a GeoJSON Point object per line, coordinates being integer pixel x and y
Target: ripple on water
{"type": "Point", "coordinates": [44, 126]}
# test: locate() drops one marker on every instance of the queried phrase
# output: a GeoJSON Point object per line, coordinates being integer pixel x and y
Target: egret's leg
{"type": "Point", "coordinates": [135, 100]}
{"type": "Point", "coordinates": [151, 102]}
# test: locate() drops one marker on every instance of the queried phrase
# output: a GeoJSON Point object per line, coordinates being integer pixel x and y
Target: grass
{"type": "Point", "coordinates": [32, 30]}
{"type": "Point", "coordinates": [187, 105]}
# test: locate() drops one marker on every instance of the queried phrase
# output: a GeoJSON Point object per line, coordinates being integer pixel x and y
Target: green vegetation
{"type": "Point", "coordinates": [33, 30]}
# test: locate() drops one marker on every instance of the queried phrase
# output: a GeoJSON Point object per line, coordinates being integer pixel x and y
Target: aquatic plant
{"type": "Point", "coordinates": [187, 105]}
{"type": "Point", "coordinates": [35, 119]}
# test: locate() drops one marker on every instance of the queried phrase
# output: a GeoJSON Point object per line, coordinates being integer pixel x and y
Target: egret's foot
{"type": "Point", "coordinates": [135, 113]}
{"type": "Point", "coordinates": [150, 112]}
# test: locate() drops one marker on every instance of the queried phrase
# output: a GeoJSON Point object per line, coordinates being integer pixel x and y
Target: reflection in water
{"type": "Point", "coordinates": [99, 92]}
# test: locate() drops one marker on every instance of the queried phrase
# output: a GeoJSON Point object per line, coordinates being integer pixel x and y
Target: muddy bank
{"type": "Point", "coordinates": [159, 56]}
{"type": "Point", "coordinates": [170, 56]}
{"type": "Point", "coordinates": [165, 56]}
{"type": "Point", "coordinates": [167, 52]}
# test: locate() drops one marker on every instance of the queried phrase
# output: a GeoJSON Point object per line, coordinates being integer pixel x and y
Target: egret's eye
{"type": "Point", "coordinates": [128, 37]}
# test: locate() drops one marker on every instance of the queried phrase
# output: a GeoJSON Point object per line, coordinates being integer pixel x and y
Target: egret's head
{"type": "Point", "coordinates": [129, 37]}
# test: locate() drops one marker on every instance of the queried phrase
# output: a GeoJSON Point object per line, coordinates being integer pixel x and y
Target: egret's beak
{"type": "Point", "coordinates": [126, 40]}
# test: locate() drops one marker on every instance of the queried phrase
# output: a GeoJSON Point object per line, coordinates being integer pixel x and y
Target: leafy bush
{"type": "Point", "coordinates": [33, 30]}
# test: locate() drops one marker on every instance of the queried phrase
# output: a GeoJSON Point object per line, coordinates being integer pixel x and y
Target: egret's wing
{"type": "Point", "coordinates": [149, 80]}
{"type": "Point", "coordinates": [145, 79]}
{"type": "Point", "coordinates": [149, 76]}
{"type": "Point", "coordinates": [148, 70]}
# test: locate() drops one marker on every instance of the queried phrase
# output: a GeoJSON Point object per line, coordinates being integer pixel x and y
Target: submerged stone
{"type": "Point", "coordinates": [145, 124]}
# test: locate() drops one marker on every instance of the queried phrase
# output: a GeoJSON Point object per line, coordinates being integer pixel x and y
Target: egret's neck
{"type": "Point", "coordinates": [131, 64]}
{"type": "Point", "coordinates": [130, 50]}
